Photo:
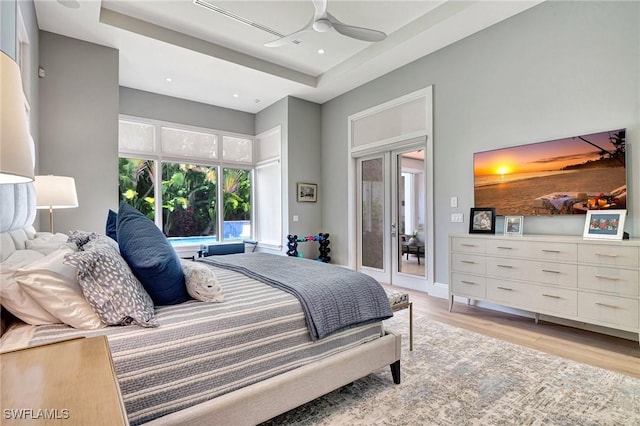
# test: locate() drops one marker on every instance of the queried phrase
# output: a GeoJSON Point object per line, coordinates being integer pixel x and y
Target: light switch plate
{"type": "Point", "coordinates": [456, 217]}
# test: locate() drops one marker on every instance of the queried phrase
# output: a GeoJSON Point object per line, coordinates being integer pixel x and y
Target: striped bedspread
{"type": "Point", "coordinates": [203, 350]}
{"type": "Point", "coordinates": [332, 298]}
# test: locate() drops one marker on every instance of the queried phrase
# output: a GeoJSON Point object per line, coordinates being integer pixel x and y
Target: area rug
{"type": "Point", "coordinates": [458, 377]}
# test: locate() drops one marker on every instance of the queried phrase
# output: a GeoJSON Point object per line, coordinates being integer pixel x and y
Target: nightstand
{"type": "Point", "coordinates": [72, 382]}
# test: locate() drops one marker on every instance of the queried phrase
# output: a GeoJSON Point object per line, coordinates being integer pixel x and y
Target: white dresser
{"type": "Point", "coordinates": [593, 281]}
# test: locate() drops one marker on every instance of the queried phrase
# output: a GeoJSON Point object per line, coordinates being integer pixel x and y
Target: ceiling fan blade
{"type": "Point", "coordinates": [359, 33]}
{"type": "Point", "coordinates": [321, 8]}
{"type": "Point", "coordinates": [288, 39]}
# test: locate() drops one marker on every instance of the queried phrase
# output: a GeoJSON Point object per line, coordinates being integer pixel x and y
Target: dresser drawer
{"type": "Point", "coordinates": [610, 310]}
{"type": "Point", "coordinates": [539, 250]}
{"type": "Point", "coordinates": [623, 282]}
{"type": "Point", "coordinates": [468, 245]}
{"type": "Point", "coordinates": [558, 301]}
{"type": "Point", "coordinates": [469, 263]}
{"type": "Point", "coordinates": [468, 285]}
{"type": "Point", "coordinates": [560, 274]}
{"type": "Point", "coordinates": [509, 293]}
{"type": "Point", "coordinates": [532, 297]}
{"type": "Point", "coordinates": [611, 255]}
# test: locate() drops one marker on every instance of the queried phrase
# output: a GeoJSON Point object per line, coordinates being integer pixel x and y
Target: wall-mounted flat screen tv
{"type": "Point", "coordinates": [563, 176]}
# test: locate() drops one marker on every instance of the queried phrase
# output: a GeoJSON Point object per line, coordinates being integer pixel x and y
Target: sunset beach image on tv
{"type": "Point", "coordinates": [563, 176]}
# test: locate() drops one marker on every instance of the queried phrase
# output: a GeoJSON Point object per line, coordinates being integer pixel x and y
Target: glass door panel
{"type": "Point", "coordinates": [373, 217]}
{"type": "Point", "coordinates": [409, 214]}
{"type": "Point", "coordinates": [373, 213]}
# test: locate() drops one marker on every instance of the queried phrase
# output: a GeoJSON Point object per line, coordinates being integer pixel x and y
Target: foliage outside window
{"type": "Point", "coordinates": [188, 195]}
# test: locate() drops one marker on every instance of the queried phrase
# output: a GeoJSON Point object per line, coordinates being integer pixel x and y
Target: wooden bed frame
{"type": "Point", "coordinates": [252, 404]}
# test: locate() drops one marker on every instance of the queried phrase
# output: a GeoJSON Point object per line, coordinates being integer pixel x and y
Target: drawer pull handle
{"type": "Point", "coordinates": [468, 245]}
{"type": "Point", "coordinates": [551, 272]}
{"type": "Point", "coordinates": [551, 251]}
{"type": "Point", "coordinates": [505, 248]}
{"type": "Point", "coordinates": [604, 277]}
{"type": "Point", "coordinates": [551, 296]}
{"type": "Point", "coordinates": [468, 282]}
{"type": "Point", "coordinates": [505, 288]}
{"type": "Point", "coordinates": [505, 266]}
{"type": "Point", "coordinates": [606, 255]}
{"type": "Point", "coordinates": [468, 261]}
{"type": "Point", "coordinates": [607, 306]}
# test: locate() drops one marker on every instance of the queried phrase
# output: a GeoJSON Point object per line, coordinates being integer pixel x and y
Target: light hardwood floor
{"type": "Point", "coordinates": [600, 350]}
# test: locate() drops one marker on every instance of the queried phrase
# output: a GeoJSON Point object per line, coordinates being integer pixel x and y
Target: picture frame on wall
{"type": "Point", "coordinates": [307, 192]}
{"type": "Point", "coordinates": [513, 225]}
{"type": "Point", "coordinates": [482, 220]}
{"type": "Point", "coordinates": [604, 224]}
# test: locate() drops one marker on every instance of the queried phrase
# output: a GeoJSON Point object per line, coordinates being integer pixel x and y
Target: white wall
{"type": "Point", "coordinates": [79, 127]}
{"type": "Point", "coordinates": [558, 69]}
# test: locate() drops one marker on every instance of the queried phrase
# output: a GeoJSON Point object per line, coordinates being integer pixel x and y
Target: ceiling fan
{"type": "Point", "coordinates": [323, 21]}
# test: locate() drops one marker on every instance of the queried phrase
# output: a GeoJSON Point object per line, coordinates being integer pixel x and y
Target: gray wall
{"type": "Point", "coordinates": [79, 127]}
{"type": "Point", "coordinates": [556, 70]}
{"type": "Point", "coordinates": [305, 166]}
{"type": "Point", "coordinates": [301, 153]}
{"type": "Point", "coordinates": [166, 108]}
{"type": "Point", "coordinates": [8, 27]}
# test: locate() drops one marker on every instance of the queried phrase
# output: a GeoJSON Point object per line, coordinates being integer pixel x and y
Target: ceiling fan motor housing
{"type": "Point", "coordinates": [322, 25]}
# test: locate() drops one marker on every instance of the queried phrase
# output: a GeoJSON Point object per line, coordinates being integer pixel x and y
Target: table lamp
{"type": "Point", "coordinates": [16, 160]}
{"type": "Point", "coordinates": [55, 192]}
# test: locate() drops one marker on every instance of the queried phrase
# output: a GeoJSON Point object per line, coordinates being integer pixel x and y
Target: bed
{"type": "Point", "coordinates": [241, 361]}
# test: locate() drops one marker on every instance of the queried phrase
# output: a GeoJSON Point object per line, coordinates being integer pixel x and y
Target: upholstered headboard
{"type": "Point", "coordinates": [17, 213]}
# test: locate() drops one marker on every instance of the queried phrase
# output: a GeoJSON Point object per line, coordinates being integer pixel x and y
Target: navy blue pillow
{"type": "Point", "coordinates": [150, 256]}
{"type": "Point", "coordinates": [112, 223]}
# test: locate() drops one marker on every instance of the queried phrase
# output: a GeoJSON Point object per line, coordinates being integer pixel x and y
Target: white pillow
{"type": "Point", "coordinates": [16, 300]}
{"type": "Point", "coordinates": [202, 283]}
{"type": "Point", "coordinates": [54, 285]}
{"type": "Point", "coordinates": [46, 243]}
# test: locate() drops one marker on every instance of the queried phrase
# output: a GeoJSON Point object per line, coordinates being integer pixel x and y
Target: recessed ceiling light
{"type": "Point", "coordinates": [321, 51]}
{"type": "Point", "coordinates": [235, 95]}
{"type": "Point", "coordinates": [168, 79]}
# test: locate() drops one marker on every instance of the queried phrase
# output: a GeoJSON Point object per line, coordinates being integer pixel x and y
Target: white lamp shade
{"type": "Point", "coordinates": [56, 192]}
{"type": "Point", "coordinates": [16, 162]}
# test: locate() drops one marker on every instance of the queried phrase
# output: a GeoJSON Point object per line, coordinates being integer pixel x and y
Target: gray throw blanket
{"type": "Point", "coordinates": [332, 297]}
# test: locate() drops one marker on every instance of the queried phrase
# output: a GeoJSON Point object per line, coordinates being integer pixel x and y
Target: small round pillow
{"type": "Point", "coordinates": [202, 283]}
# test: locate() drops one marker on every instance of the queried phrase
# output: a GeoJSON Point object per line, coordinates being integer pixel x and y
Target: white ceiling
{"type": "Point", "coordinates": [210, 57]}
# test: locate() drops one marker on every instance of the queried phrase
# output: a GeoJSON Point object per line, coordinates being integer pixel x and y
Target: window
{"type": "Point", "coordinates": [189, 198]}
{"type": "Point", "coordinates": [268, 192]}
{"type": "Point", "coordinates": [177, 171]}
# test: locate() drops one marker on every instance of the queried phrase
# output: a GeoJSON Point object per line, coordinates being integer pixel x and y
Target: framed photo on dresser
{"type": "Point", "coordinates": [604, 224]}
{"type": "Point", "coordinates": [513, 225]}
{"type": "Point", "coordinates": [482, 220]}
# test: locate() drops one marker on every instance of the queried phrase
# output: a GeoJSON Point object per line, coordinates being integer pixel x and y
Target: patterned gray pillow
{"type": "Point", "coordinates": [80, 238]}
{"type": "Point", "coordinates": [114, 293]}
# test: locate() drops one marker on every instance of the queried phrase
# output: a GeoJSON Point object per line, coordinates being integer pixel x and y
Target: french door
{"type": "Point", "coordinates": [390, 212]}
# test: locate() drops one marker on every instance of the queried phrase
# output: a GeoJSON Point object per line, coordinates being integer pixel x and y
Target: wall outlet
{"type": "Point", "coordinates": [454, 201]}
{"type": "Point", "coordinates": [295, 218]}
{"type": "Point", "coordinates": [456, 217]}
